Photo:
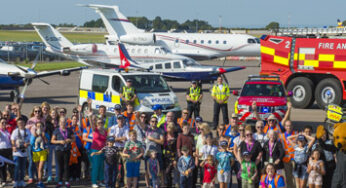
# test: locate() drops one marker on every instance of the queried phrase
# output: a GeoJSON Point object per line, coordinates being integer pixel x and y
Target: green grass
{"type": "Point", "coordinates": [28, 36]}
{"type": "Point", "coordinates": [46, 66]}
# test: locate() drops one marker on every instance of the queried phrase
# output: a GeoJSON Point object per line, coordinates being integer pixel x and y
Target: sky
{"type": "Point", "coordinates": [228, 13]}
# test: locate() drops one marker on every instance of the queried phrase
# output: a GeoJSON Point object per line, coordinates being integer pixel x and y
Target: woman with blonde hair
{"type": "Point", "coordinates": [45, 109]}
{"type": "Point", "coordinates": [169, 154]}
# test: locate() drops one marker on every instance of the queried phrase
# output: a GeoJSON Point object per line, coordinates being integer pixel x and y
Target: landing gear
{"type": "Point", "coordinates": [14, 95]}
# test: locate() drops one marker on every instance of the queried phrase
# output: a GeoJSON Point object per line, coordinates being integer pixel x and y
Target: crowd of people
{"type": "Point", "coordinates": [176, 151]}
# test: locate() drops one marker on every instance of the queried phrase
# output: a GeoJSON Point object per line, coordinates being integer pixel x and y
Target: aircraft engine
{"type": "Point", "coordinates": [82, 49]}
{"type": "Point", "coordinates": [139, 39]}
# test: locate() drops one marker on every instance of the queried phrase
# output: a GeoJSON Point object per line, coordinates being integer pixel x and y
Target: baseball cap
{"type": "Point", "coordinates": [194, 81]}
{"type": "Point", "coordinates": [157, 107]}
{"type": "Point", "coordinates": [234, 115]}
{"type": "Point", "coordinates": [117, 107]}
{"type": "Point", "coordinates": [301, 138]}
{"type": "Point", "coordinates": [184, 148]}
{"type": "Point", "coordinates": [246, 153]}
{"type": "Point", "coordinates": [272, 117]}
{"type": "Point", "coordinates": [199, 119]}
{"type": "Point", "coordinates": [223, 143]}
{"type": "Point", "coordinates": [120, 116]}
{"type": "Point", "coordinates": [128, 80]}
{"type": "Point", "coordinates": [110, 139]}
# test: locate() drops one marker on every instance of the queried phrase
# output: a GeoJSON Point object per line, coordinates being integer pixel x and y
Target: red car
{"type": "Point", "coordinates": [269, 94]}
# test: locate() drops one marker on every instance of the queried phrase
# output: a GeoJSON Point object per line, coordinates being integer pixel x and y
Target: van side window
{"type": "Point", "coordinates": [117, 83]}
{"type": "Point", "coordinates": [176, 65]}
{"type": "Point", "coordinates": [100, 83]}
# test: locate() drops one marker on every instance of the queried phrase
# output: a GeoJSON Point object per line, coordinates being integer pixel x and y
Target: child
{"type": "Point", "coordinates": [248, 170]}
{"type": "Point", "coordinates": [186, 164]}
{"type": "Point", "coordinates": [209, 172]}
{"type": "Point", "coordinates": [301, 150]}
{"type": "Point", "coordinates": [39, 142]}
{"type": "Point", "coordinates": [208, 149]}
{"type": "Point", "coordinates": [133, 151]}
{"type": "Point", "coordinates": [110, 164]}
{"type": "Point", "coordinates": [226, 160]}
{"type": "Point", "coordinates": [153, 169]}
{"type": "Point", "coordinates": [315, 170]}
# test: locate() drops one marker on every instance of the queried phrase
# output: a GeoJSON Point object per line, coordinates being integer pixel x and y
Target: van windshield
{"type": "Point", "coordinates": [148, 83]}
{"type": "Point", "coordinates": [266, 90]}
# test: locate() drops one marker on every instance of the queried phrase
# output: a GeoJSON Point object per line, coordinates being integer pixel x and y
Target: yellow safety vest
{"type": "Point", "coordinates": [220, 95]}
{"type": "Point", "coordinates": [161, 121]}
{"type": "Point", "coordinates": [195, 93]}
{"type": "Point", "coordinates": [128, 93]}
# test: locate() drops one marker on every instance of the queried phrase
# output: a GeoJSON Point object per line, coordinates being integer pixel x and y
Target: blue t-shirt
{"type": "Point", "coordinates": [90, 136]}
{"type": "Point", "coordinates": [224, 159]}
{"type": "Point", "coordinates": [32, 143]}
{"type": "Point", "coordinates": [281, 182]}
{"type": "Point", "coordinates": [300, 154]}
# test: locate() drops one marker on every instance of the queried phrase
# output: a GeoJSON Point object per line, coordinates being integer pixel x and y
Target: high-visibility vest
{"type": "Point", "coordinates": [276, 180]}
{"type": "Point", "coordinates": [289, 150]}
{"type": "Point", "coordinates": [277, 129]}
{"type": "Point", "coordinates": [76, 130]}
{"type": "Point", "coordinates": [220, 94]}
{"type": "Point", "coordinates": [74, 154]}
{"type": "Point", "coordinates": [131, 119]}
{"type": "Point", "coordinates": [88, 134]}
{"type": "Point", "coordinates": [195, 93]}
{"type": "Point", "coordinates": [160, 120]}
{"type": "Point", "coordinates": [128, 92]}
{"type": "Point", "coordinates": [85, 123]}
{"type": "Point", "coordinates": [189, 121]}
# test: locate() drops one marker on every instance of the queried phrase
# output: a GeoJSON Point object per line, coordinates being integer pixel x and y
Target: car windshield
{"type": "Point", "coordinates": [148, 83]}
{"type": "Point", "coordinates": [190, 62]}
{"type": "Point", "coordinates": [266, 90]}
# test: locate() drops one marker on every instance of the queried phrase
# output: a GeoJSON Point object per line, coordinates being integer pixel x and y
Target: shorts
{"type": "Point", "coordinates": [208, 185]}
{"type": "Point", "coordinates": [39, 156]}
{"type": "Point", "coordinates": [225, 177]}
{"type": "Point", "coordinates": [132, 169]}
{"type": "Point", "coordinates": [315, 179]}
{"type": "Point", "coordinates": [300, 172]}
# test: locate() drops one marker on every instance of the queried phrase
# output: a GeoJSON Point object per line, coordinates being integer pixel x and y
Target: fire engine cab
{"type": "Point", "coordinates": [314, 69]}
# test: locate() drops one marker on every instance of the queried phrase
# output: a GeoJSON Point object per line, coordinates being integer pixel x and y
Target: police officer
{"type": "Point", "coordinates": [193, 97]}
{"type": "Point", "coordinates": [128, 93]}
{"type": "Point", "coordinates": [220, 94]}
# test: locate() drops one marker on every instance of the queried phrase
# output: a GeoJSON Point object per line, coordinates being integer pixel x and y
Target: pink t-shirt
{"type": "Point", "coordinates": [99, 140]}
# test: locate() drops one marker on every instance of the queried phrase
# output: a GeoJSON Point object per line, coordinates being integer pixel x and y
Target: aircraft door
{"type": "Point", "coordinates": [176, 43]}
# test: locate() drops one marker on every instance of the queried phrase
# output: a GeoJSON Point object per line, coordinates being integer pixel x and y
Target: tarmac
{"type": "Point", "coordinates": [63, 92]}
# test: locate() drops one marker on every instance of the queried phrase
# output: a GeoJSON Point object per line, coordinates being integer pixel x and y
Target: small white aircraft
{"type": "Point", "coordinates": [12, 77]}
{"type": "Point", "coordinates": [101, 55]}
{"type": "Point", "coordinates": [195, 45]}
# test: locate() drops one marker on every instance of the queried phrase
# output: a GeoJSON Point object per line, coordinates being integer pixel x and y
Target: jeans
{"type": "Point", "coordinates": [48, 164]}
{"type": "Point", "coordinates": [7, 153]}
{"type": "Point", "coordinates": [97, 167]}
{"type": "Point", "coordinates": [32, 167]}
{"type": "Point", "coordinates": [63, 162]}
{"type": "Point", "coordinates": [19, 168]}
{"type": "Point", "coordinates": [224, 109]}
{"type": "Point", "coordinates": [185, 182]}
{"type": "Point", "coordinates": [110, 174]}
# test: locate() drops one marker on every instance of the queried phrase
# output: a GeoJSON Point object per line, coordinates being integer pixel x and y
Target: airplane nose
{"type": "Point", "coordinates": [221, 70]}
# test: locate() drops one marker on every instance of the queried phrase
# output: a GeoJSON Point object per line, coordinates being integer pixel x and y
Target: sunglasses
{"type": "Point", "coordinates": [250, 134]}
{"type": "Point", "coordinates": [37, 111]}
{"type": "Point", "coordinates": [185, 112]}
{"type": "Point", "coordinates": [241, 129]}
{"type": "Point", "coordinates": [143, 116]}
{"type": "Point", "coordinates": [75, 112]}
{"type": "Point", "coordinates": [261, 127]}
{"type": "Point", "coordinates": [153, 121]}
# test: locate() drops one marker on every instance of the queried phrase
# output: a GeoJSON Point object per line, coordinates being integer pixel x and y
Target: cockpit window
{"type": "Point", "coordinates": [251, 41]}
{"type": "Point", "coordinates": [164, 50]}
{"type": "Point", "coordinates": [190, 62]}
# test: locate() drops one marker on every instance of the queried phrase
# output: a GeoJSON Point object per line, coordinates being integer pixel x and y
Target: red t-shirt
{"type": "Point", "coordinates": [12, 124]}
{"type": "Point", "coordinates": [209, 173]}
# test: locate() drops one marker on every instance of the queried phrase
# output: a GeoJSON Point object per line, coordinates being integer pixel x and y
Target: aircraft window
{"type": "Point", "coordinates": [139, 51]}
{"type": "Point", "coordinates": [202, 41]}
{"type": "Point", "coordinates": [176, 40]}
{"type": "Point", "coordinates": [194, 41]}
{"type": "Point", "coordinates": [190, 62]}
{"type": "Point", "coordinates": [217, 42]}
{"type": "Point", "coordinates": [251, 41]}
{"type": "Point", "coordinates": [176, 65]}
{"type": "Point", "coordinates": [112, 42]}
{"type": "Point", "coordinates": [224, 42]}
{"type": "Point", "coordinates": [168, 65]}
{"type": "Point", "coordinates": [158, 66]}
{"type": "Point", "coordinates": [187, 41]}
{"type": "Point", "coordinates": [145, 51]}
{"type": "Point", "coordinates": [151, 67]}
{"type": "Point", "coordinates": [117, 83]}
{"type": "Point", "coordinates": [258, 40]}
{"type": "Point", "coordinates": [209, 41]}
{"type": "Point", "coordinates": [100, 83]}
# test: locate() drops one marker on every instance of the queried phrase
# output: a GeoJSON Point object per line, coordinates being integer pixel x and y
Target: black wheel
{"type": "Point", "coordinates": [328, 91]}
{"type": "Point", "coordinates": [302, 89]}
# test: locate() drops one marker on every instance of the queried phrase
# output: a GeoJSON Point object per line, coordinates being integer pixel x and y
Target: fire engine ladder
{"type": "Point", "coordinates": [312, 31]}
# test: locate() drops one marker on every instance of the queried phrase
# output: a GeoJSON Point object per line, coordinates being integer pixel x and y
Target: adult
{"type": "Point", "coordinates": [234, 123]}
{"type": "Point", "coordinates": [200, 142]}
{"type": "Point", "coordinates": [170, 155]}
{"type": "Point", "coordinates": [170, 119]}
{"type": "Point", "coordinates": [101, 113]}
{"type": "Point", "coordinates": [5, 150]}
{"type": "Point", "coordinates": [113, 119]}
{"type": "Point", "coordinates": [76, 165]}
{"type": "Point", "coordinates": [128, 93]}
{"type": "Point", "coordinates": [161, 117]}
{"type": "Point", "coordinates": [98, 142]}
{"type": "Point", "coordinates": [35, 117]}
{"type": "Point", "coordinates": [20, 139]}
{"type": "Point", "coordinates": [259, 135]}
{"type": "Point", "coordinates": [270, 178]}
{"type": "Point", "coordinates": [11, 122]}
{"type": "Point", "coordinates": [194, 97]}
{"type": "Point", "coordinates": [185, 118]}
{"type": "Point", "coordinates": [220, 93]}
{"type": "Point", "coordinates": [221, 133]}
{"type": "Point", "coordinates": [130, 115]}
{"type": "Point", "coordinates": [16, 112]}
{"type": "Point", "coordinates": [52, 122]}
{"type": "Point", "coordinates": [273, 152]}
{"type": "Point", "coordinates": [62, 138]}
{"type": "Point", "coordinates": [141, 126]}
{"type": "Point", "coordinates": [45, 109]}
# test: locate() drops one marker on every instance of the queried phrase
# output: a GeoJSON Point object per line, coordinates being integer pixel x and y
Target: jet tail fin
{"type": "Point", "coordinates": [115, 22]}
{"type": "Point", "coordinates": [125, 60]}
{"type": "Point", "coordinates": [51, 37]}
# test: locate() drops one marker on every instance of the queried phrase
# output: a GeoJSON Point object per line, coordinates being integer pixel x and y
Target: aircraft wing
{"type": "Point", "coordinates": [63, 72]}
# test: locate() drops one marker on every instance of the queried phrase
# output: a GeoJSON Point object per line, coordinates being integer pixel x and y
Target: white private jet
{"type": "Point", "coordinates": [195, 45]}
{"type": "Point", "coordinates": [101, 55]}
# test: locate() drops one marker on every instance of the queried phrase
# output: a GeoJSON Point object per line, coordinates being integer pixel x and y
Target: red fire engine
{"type": "Point", "coordinates": [314, 69]}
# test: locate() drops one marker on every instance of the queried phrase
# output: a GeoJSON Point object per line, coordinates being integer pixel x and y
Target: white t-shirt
{"type": "Point", "coordinates": [208, 150]}
{"type": "Point", "coordinates": [16, 138]}
{"type": "Point", "coordinates": [220, 87]}
{"type": "Point", "coordinates": [237, 141]}
{"type": "Point", "coordinates": [118, 132]}
{"type": "Point", "coordinates": [261, 138]}
{"type": "Point", "coordinates": [5, 141]}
